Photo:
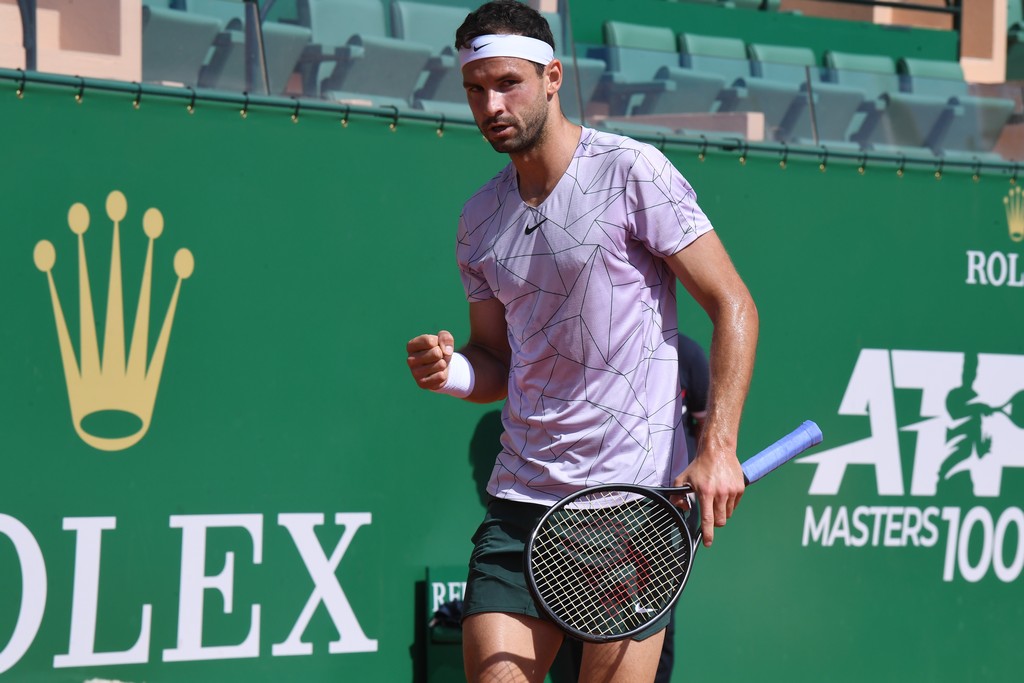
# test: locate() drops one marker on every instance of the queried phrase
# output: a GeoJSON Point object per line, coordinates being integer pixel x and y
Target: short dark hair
{"type": "Point", "coordinates": [505, 17]}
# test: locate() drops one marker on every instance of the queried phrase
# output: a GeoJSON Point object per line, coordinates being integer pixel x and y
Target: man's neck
{"type": "Point", "coordinates": [540, 169]}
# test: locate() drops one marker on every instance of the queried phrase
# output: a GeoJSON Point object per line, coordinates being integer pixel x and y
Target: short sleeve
{"type": "Point", "coordinates": [473, 281]}
{"type": "Point", "coordinates": [662, 206]}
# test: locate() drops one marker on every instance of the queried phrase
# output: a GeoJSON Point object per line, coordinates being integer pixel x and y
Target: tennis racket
{"type": "Point", "coordinates": [608, 561]}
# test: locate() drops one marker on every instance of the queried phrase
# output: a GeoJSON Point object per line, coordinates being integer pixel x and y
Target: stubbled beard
{"type": "Point", "coordinates": [529, 135]}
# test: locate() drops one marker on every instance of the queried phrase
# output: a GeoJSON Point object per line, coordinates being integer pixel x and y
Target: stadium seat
{"type": "Point", "coordinates": [747, 90]}
{"type": "Point", "coordinates": [835, 105]}
{"type": "Point", "coordinates": [589, 70]}
{"type": "Point", "coordinates": [718, 55]}
{"type": "Point", "coordinates": [920, 106]}
{"type": "Point", "coordinates": [175, 43]}
{"type": "Point", "coordinates": [886, 121]}
{"type": "Point", "coordinates": [225, 69]}
{"type": "Point", "coordinates": [353, 59]}
{"type": "Point", "coordinates": [965, 123]}
{"type": "Point", "coordinates": [645, 75]}
{"type": "Point", "coordinates": [440, 89]}
{"type": "Point", "coordinates": [873, 75]}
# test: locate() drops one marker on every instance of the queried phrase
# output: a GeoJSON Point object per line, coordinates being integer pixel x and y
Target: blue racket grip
{"type": "Point", "coordinates": [782, 451]}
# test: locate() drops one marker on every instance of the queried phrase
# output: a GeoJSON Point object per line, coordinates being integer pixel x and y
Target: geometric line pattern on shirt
{"type": "Point", "coordinates": [590, 310]}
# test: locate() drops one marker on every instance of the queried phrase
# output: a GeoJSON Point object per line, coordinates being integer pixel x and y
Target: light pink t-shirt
{"type": "Point", "coordinates": [593, 391]}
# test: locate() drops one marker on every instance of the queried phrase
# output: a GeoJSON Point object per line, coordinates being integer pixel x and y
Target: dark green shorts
{"type": "Point", "coordinates": [496, 581]}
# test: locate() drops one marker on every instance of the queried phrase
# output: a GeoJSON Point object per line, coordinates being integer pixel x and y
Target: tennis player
{"type": "Point", "coordinates": [569, 258]}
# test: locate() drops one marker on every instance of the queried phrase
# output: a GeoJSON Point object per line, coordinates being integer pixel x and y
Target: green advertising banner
{"type": "Point", "coordinates": [216, 467]}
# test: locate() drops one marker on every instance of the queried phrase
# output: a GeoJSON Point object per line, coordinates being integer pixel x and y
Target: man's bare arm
{"type": "Point", "coordinates": [707, 273]}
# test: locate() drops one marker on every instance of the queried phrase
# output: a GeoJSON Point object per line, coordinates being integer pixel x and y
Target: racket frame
{"type": "Point", "coordinates": [659, 495]}
{"type": "Point", "coordinates": [807, 435]}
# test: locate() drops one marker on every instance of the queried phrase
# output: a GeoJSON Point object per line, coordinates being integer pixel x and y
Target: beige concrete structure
{"type": "Point", "coordinates": [98, 38]}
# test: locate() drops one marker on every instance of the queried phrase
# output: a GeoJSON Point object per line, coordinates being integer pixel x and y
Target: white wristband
{"type": "Point", "coordinates": [461, 377]}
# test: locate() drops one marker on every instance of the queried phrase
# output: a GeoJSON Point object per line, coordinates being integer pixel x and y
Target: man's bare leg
{"type": "Point", "coordinates": [626, 661]}
{"type": "Point", "coordinates": [508, 648]}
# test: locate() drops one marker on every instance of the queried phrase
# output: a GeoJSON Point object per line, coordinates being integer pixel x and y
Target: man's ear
{"type": "Point", "coordinates": [553, 76]}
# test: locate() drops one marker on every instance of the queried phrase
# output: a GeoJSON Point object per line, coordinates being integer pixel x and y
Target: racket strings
{"type": "Point", "coordinates": [608, 569]}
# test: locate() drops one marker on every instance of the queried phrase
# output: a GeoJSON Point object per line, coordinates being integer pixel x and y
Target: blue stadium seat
{"type": "Point", "coordinates": [174, 42]}
{"type": "Point", "coordinates": [353, 59]}
{"type": "Point", "coordinates": [225, 69]}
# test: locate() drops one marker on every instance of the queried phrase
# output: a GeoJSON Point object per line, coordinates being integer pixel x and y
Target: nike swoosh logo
{"type": "Point", "coordinates": [476, 48]}
{"type": "Point", "coordinates": [529, 229]}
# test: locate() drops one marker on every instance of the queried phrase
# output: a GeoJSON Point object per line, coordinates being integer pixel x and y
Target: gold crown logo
{"type": "Point", "coordinates": [113, 385]}
{"type": "Point", "coordinates": [1014, 204]}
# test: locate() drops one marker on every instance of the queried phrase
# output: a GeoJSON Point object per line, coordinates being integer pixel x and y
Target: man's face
{"type": "Point", "coordinates": [509, 101]}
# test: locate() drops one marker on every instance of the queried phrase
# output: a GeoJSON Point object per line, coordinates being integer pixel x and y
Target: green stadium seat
{"type": "Point", "coordinates": [893, 121]}
{"type": "Point", "coordinates": [282, 44]}
{"type": "Point", "coordinates": [175, 43]}
{"type": "Point", "coordinates": [589, 69]}
{"type": "Point", "coordinates": [440, 88]}
{"type": "Point", "coordinates": [835, 105]}
{"type": "Point", "coordinates": [931, 76]}
{"type": "Point", "coordinates": [906, 123]}
{"type": "Point", "coordinates": [874, 76]}
{"type": "Point", "coordinates": [920, 106]}
{"type": "Point", "coordinates": [725, 57]}
{"type": "Point", "coordinates": [645, 75]}
{"type": "Point", "coordinates": [353, 59]}
{"type": "Point", "coordinates": [966, 123]}
{"type": "Point", "coordinates": [634, 54]}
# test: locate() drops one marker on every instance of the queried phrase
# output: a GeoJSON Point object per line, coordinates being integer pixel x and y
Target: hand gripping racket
{"type": "Point", "coordinates": [608, 561]}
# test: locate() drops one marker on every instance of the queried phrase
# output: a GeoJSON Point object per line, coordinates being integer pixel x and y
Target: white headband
{"type": "Point", "coordinates": [506, 45]}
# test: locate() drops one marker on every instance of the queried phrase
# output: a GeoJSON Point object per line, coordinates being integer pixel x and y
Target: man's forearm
{"type": "Point", "coordinates": [733, 348]}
